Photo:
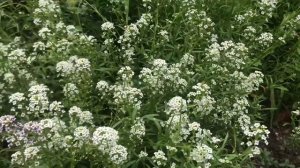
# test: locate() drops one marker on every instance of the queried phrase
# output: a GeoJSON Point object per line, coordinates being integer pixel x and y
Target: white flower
{"type": "Point", "coordinates": [125, 96]}
{"type": "Point", "coordinates": [70, 90]}
{"type": "Point", "coordinates": [39, 46]}
{"type": "Point", "coordinates": [82, 64]}
{"type": "Point", "coordinates": [265, 39]}
{"type": "Point", "coordinates": [161, 77]}
{"type": "Point", "coordinates": [47, 123]}
{"type": "Point", "coordinates": [118, 154]}
{"type": "Point", "coordinates": [267, 6]}
{"type": "Point", "coordinates": [56, 107]}
{"type": "Point", "coordinates": [31, 152]}
{"type": "Point", "coordinates": [159, 158]}
{"type": "Point", "coordinates": [9, 78]}
{"type": "Point", "coordinates": [60, 26]}
{"type": "Point", "coordinates": [71, 30]}
{"type": "Point", "coordinates": [17, 55]}
{"type": "Point", "coordinates": [187, 59]}
{"type": "Point", "coordinates": [249, 32]}
{"type": "Point", "coordinates": [138, 129]}
{"type": "Point", "coordinates": [17, 158]}
{"type": "Point", "coordinates": [6, 121]}
{"type": "Point", "coordinates": [164, 34]}
{"type": "Point", "coordinates": [82, 116]}
{"type": "Point", "coordinates": [159, 63]}
{"type": "Point", "coordinates": [48, 6]}
{"type": "Point", "coordinates": [64, 68]}
{"type": "Point", "coordinates": [255, 151]}
{"type": "Point", "coordinates": [143, 154]}
{"type": "Point", "coordinates": [85, 117]}
{"type": "Point", "coordinates": [16, 98]}
{"type": "Point", "coordinates": [81, 133]}
{"type": "Point", "coordinates": [74, 111]}
{"type": "Point", "coordinates": [194, 126]}
{"type": "Point", "coordinates": [144, 20]}
{"type": "Point", "coordinates": [202, 153]}
{"type": "Point", "coordinates": [38, 99]}
{"type": "Point", "coordinates": [171, 148]}
{"type": "Point", "coordinates": [105, 137]}
{"type": "Point", "coordinates": [201, 99]}
{"type": "Point", "coordinates": [44, 32]}
{"type": "Point", "coordinates": [126, 74]}
{"type": "Point", "coordinates": [177, 104]}
{"type": "Point", "coordinates": [102, 86]}
{"type": "Point", "coordinates": [173, 165]}
{"type": "Point", "coordinates": [107, 26]}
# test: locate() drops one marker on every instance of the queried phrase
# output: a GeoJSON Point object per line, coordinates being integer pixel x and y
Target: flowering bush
{"type": "Point", "coordinates": [167, 86]}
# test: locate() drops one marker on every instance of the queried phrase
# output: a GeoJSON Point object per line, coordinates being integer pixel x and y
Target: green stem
{"type": "Point", "coordinates": [127, 3]}
{"type": "Point", "coordinates": [273, 104]}
{"type": "Point", "coordinates": [234, 140]}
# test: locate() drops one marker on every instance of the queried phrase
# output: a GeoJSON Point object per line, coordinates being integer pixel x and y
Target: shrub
{"type": "Point", "coordinates": [139, 83]}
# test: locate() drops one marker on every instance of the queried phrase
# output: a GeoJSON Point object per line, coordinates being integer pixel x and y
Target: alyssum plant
{"type": "Point", "coordinates": [160, 91]}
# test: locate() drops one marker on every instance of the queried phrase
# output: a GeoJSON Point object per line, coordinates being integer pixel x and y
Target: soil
{"type": "Point", "coordinates": [281, 148]}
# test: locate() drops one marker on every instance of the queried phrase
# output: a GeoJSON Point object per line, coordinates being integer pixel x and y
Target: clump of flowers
{"type": "Point", "coordinates": [73, 66]}
{"type": "Point", "coordinates": [159, 158]}
{"type": "Point", "coordinates": [125, 97]}
{"type": "Point", "coordinates": [106, 139]}
{"type": "Point", "coordinates": [162, 77]}
{"type": "Point", "coordinates": [138, 129]}
{"type": "Point", "coordinates": [36, 104]}
{"type": "Point", "coordinates": [201, 99]}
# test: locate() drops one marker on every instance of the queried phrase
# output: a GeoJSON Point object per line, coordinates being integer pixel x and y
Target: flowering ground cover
{"type": "Point", "coordinates": [149, 83]}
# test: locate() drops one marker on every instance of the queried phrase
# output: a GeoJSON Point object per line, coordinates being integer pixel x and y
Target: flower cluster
{"type": "Point", "coordinates": [249, 32]}
{"type": "Point", "coordinates": [159, 158]}
{"type": "Point", "coordinates": [131, 36]}
{"type": "Point", "coordinates": [73, 66]}
{"type": "Point", "coordinates": [38, 102]}
{"type": "Point", "coordinates": [202, 154]}
{"type": "Point", "coordinates": [138, 129]}
{"type": "Point", "coordinates": [162, 77]}
{"type": "Point", "coordinates": [106, 139]}
{"type": "Point", "coordinates": [267, 7]}
{"type": "Point", "coordinates": [255, 134]}
{"type": "Point", "coordinates": [247, 84]}
{"type": "Point", "coordinates": [17, 56]}
{"type": "Point", "coordinates": [50, 133]}
{"type": "Point", "coordinates": [199, 22]}
{"type": "Point", "coordinates": [107, 26]}
{"type": "Point", "coordinates": [29, 154]}
{"type": "Point", "coordinates": [144, 20]}
{"type": "Point", "coordinates": [46, 8]}
{"type": "Point", "coordinates": [176, 105]}
{"type": "Point", "coordinates": [125, 97]}
{"type": "Point", "coordinates": [248, 15]}
{"type": "Point", "coordinates": [79, 116]}
{"type": "Point", "coordinates": [125, 74]}
{"type": "Point", "coordinates": [265, 39]}
{"type": "Point", "coordinates": [103, 87]}
{"type": "Point", "coordinates": [227, 54]}
{"type": "Point", "coordinates": [201, 99]}
{"type": "Point", "coordinates": [70, 90]}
